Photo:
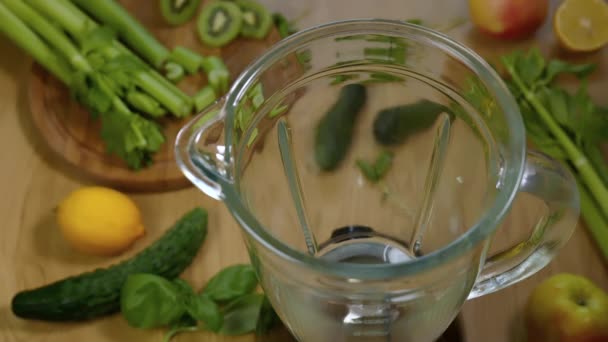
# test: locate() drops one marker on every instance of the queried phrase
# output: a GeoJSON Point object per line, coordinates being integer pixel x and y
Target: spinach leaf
{"type": "Point", "coordinates": [149, 301]}
{"type": "Point", "coordinates": [231, 282]}
{"type": "Point", "coordinates": [241, 315]}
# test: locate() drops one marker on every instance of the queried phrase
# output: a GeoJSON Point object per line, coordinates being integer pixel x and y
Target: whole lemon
{"type": "Point", "coordinates": [99, 221]}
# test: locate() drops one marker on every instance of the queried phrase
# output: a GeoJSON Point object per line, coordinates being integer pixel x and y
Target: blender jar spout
{"type": "Point", "coordinates": [200, 151]}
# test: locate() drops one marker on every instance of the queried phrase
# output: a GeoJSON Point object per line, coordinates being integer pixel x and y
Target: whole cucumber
{"type": "Point", "coordinates": [97, 293]}
{"type": "Point", "coordinates": [394, 125]}
{"type": "Point", "coordinates": [335, 129]}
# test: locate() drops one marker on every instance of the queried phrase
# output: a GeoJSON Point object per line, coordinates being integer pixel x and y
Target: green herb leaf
{"type": "Point", "coordinates": [242, 314]}
{"type": "Point", "coordinates": [378, 170]}
{"type": "Point", "coordinates": [202, 308]}
{"type": "Point", "coordinates": [530, 67]}
{"type": "Point", "coordinates": [557, 102]}
{"type": "Point", "coordinates": [555, 67]}
{"type": "Point", "coordinates": [368, 170]}
{"type": "Point", "coordinates": [231, 282]}
{"type": "Point", "coordinates": [383, 163]}
{"type": "Point", "coordinates": [268, 318]}
{"type": "Point", "coordinates": [149, 301]}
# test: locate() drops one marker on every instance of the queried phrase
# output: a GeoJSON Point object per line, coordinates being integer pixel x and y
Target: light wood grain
{"type": "Point", "coordinates": [33, 180]}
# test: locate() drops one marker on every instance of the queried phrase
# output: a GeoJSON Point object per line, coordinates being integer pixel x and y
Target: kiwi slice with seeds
{"type": "Point", "coordinates": [177, 12]}
{"type": "Point", "coordinates": [257, 20]}
{"type": "Point", "coordinates": [219, 23]}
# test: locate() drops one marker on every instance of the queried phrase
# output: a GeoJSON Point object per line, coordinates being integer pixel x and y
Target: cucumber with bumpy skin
{"type": "Point", "coordinates": [334, 131]}
{"type": "Point", "coordinates": [394, 125]}
{"type": "Point", "coordinates": [97, 293]}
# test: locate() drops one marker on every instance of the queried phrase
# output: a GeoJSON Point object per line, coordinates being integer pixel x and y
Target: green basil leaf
{"type": "Point", "coordinates": [149, 301]}
{"type": "Point", "coordinates": [231, 282]}
{"type": "Point", "coordinates": [242, 314]}
{"type": "Point", "coordinates": [203, 309]}
{"type": "Point", "coordinates": [183, 287]}
{"type": "Point", "coordinates": [268, 318]}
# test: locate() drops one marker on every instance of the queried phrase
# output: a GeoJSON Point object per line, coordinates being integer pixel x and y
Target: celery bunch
{"type": "Point", "coordinates": [567, 126]}
{"type": "Point", "coordinates": [122, 85]}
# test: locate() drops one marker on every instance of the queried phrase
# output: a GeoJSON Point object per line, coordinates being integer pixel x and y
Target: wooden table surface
{"type": "Point", "coordinates": [33, 181]}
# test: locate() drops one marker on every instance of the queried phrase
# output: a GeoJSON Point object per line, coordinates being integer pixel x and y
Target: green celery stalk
{"type": "Point", "coordinates": [187, 58]}
{"type": "Point", "coordinates": [204, 97]}
{"type": "Point", "coordinates": [174, 72]}
{"type": "Point", "coordinates": [145, 103]}
{"type": "Point", "coordinates": [76, 25]}
{"type": "Point", "coordinates": [151, 86]}
{"type": "Point", "coordinates": [137, 37]}
{"type": "Point", "coordinates": [21, 34]}
{"type": "Point", "coordinates": [596, 158]}
{"type": "Point", "coordinates": [579, 160]}
{"type": "Point", "coordinates": [50, 33]}
{"type": "Point", "coordinates": [217, 73]}
{"type": "Point", "coordinates": [595, 221]}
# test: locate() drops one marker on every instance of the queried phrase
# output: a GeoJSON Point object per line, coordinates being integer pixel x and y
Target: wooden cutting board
{"type": "Point", "coordinates": [70, 132]}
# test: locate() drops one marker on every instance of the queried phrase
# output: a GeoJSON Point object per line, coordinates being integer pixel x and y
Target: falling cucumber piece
{"type": "Point", "coordinates": [394, 125]}
{"type": "Point", "coordinates": [190, 60]}
{"type": "Point", "coordinates": [219, 23]}
{"type": "Point", "coordinates": [177, 12]}
{"type": "Point", "coordinates": [333, 135]}
{"type": "Point", "coordinates": [257, 21]}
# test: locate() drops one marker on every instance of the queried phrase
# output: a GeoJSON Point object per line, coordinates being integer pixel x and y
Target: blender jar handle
{"type": "Point", "coordinates": [551, 182]}
{"type": "Point", "coordinates": [199, 152]}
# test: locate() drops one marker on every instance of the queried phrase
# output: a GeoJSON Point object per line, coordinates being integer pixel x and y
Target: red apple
{"type": "Point", "coordinates": [508, 19]}
{"type": "Point", "coordinates": [567, 308]}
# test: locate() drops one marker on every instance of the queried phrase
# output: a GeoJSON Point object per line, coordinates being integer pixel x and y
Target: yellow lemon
{"type": "Point", "coordinates": [99, 221]}
{"type": "Point", "coordinates": [582, 25]}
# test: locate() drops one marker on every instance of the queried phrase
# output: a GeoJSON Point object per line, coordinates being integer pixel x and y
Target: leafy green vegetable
{"type": "Point", "coordinates": [267, 319]}
{"type": "Point", "coordinates": [150, 301]}
{"type": "Point", "coordinates": [101, 73]}
{"type": "Point", "coordinates": [567, 126]}
{"type": "Point", "coordinates": [232, 282]}
{"type": "Point", "coordinates": [241, 315]}
{"type": "Point", "coordinates": [226, 305]}
{"type": "Point", "coordinates": [111, 13]}
{"type": "Point", "coordinates": [202, 308]}
{"type": "Point", "coordinates": [376, 171]}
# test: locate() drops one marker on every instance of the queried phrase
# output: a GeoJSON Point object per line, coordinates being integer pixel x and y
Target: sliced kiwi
{"type": "Point", "coordinates": [257, 20]}
{"type": "Point", "coordinates": [219, 23]}
{"type": "Point", "coordinates": [177, 12]}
